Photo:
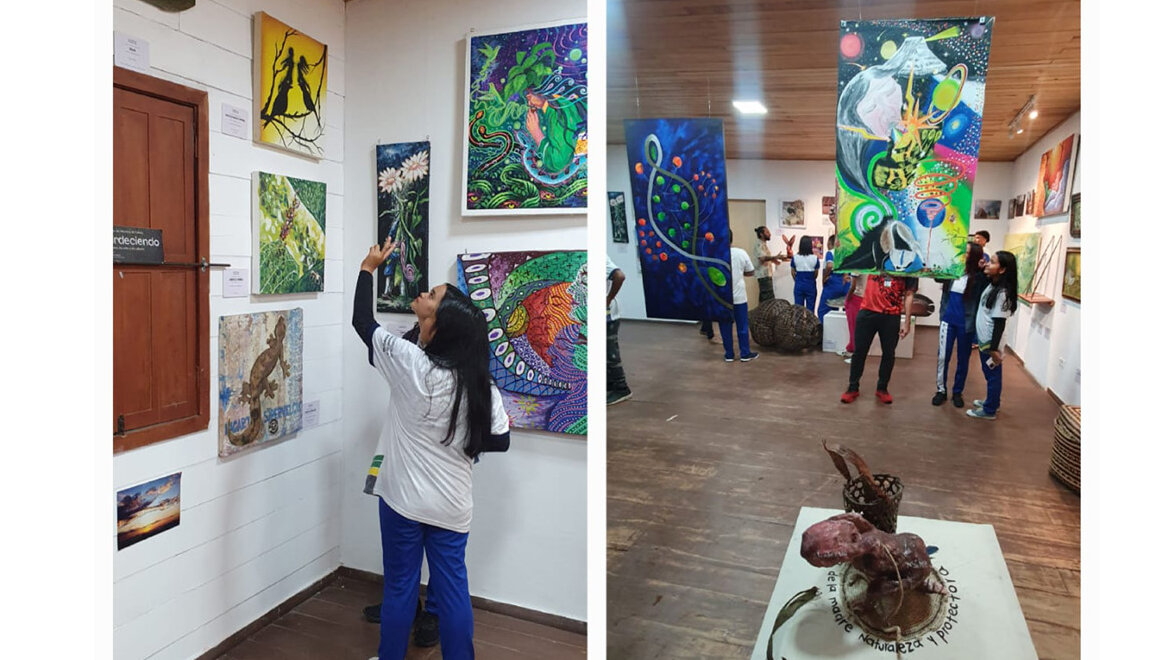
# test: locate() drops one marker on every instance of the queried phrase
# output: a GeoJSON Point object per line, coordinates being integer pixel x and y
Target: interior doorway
{"type": "Point", "coordinates": [745, 215]}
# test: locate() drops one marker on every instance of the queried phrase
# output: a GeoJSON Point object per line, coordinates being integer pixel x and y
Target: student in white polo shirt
{"type": "Point", "coordinates": [741, 266]}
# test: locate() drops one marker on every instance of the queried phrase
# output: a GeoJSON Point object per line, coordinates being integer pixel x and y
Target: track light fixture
{"type": "Point", "coordinates": [1028, 110]}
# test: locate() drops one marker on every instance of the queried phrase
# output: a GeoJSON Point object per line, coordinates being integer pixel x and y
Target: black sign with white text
{"type": "Point", "coordinates": [137, 245]}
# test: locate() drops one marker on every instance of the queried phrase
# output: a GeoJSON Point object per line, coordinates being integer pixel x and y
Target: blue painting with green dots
{"type": "Point", "coordinates": [679, 176]}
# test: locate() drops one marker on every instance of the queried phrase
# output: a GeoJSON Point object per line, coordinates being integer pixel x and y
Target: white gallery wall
{"type": "Point", "coordinates": [1049, 338]}
{"type": "Point", "coordinates": [774, 181]}
{"type": "Point", "coordinates": [406, 73]}
{"type": "Point", "coordinates": [261, 526]}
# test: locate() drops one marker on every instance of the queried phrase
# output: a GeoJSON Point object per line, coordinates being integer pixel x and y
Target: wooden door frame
{"type": "Point", "coordinates": [198, 100]}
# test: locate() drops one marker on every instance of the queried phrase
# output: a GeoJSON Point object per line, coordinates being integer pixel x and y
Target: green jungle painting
{"type": "Point", "coordinates": [289, 229]}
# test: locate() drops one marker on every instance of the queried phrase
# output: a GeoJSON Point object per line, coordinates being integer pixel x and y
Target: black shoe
{"type": "Point", "coordinates": [939, 398]}
{"type": "Point", "coordinates": [426, 631]}
{"type": "Point", "coordinates": [372, 613]}
{"type": "Point", "coordinates": [957, 400]}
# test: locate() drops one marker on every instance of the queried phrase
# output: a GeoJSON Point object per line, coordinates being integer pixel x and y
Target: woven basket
{"type": "Point", "coordinates": [882, 514]}
{"type": "Point", "coordinates": [1066, 459]}
{"type": "Point", "coordinates": [779, 324]}
{"type": "Point", "coordinates": [875, 497]}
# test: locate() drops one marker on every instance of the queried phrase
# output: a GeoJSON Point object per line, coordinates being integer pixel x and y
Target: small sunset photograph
{"type": "Point", "coordinates": [148, 509]}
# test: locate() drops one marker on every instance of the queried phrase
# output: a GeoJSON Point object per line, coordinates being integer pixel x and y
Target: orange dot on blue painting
{"type": "Point", "coordinates": [677, 161]}
{"type": "Point", "coordinates": [657, 244]}
{"type": "Point", "coordinates": [681, 268]}
{"type": "Point", "coordinates": [696, 177]}
{"type": "Point", "coordinates": [641, 221]}
{"type": "Point", "coordinates": [663, 256]}
{"type": "Point", "coordinates": [709, 237]}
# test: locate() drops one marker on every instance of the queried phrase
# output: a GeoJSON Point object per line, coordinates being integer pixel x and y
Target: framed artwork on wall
{"type": "Point", "coordinates": [792, 213]}
{"type": "Point", "coordinates": [289, 234]}
{"type": "Point", "coordinates": [678, 173]}
{"type": "Point", "coordinates": [526, 121]}
{"type": "Point", "coordinates": [1076, 215]}
{"type": "Point", "coordinates": [1072, 279]}
{"type": "Point", "coordinates": [986, 209]}
{"type": "Point", "coordinates": [617, 217]}
{"type": "Point", "coordinates": [148, 509]}
{"type": "Point", "coordinates": [892, 215]}
{"type": "Point", "coordinates": [535, 304]}
{"type": "Point", "coordinates": [1055, 177]}
{"type": "Point", "coordinates": [402, 214]}
{"type": "Point", "coordinates": [289, 87]}
{"type": "Point", "coordinates": [1024, 247]}
{"type": "Point", "coordinates": [260, 389]}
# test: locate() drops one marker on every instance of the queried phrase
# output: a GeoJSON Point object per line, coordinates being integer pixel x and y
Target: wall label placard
{"type": "Point", "coordinates": [138, 245]}
{"type": "Point", "coordinates": [236, 283]}
{"type": "Point", "coordinates": [132, 53]}
{"type": "Point", "coordinates": [234, 121]}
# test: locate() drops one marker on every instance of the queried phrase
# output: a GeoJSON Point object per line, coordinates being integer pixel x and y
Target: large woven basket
{"type": "Point", "coordinates": [779, 324]}
{"type": "Point", "coordinates": [1066, 462]}
{"type": "Point", "coordinates": [875, 496]}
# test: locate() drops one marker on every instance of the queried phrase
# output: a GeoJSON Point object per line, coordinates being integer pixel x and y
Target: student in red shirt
{"type": "Point", "coordinates": [886, 303]}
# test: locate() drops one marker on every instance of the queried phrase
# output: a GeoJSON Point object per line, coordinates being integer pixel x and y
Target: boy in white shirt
{"type": "Point", "coordinates": [741, 266]}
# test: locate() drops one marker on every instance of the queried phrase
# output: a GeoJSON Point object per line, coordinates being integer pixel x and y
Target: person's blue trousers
{"type": "Point", "coordinates": [959, 336]}
{"type": "Point", "coordinates": [741, 325]}
{"type": "Point", "coordinates": [993, 376]}
{"type": "Point", "coordinates": [404, 542]}
{"type": "Point", "coordinates": [805, 294]}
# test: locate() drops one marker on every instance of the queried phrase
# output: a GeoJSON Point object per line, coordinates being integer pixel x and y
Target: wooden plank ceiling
{"type": "Point", "coordinates": [684, 58]}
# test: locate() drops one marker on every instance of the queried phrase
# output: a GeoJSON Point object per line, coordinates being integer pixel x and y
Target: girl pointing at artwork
{"type": "Point", "coordinates": [443, 412]}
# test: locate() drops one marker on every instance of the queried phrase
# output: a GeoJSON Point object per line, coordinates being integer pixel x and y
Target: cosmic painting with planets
{"type": "Point", "coordinates": [535, 304]}
{"type": "Point", "coordinates": [909, 109]}
{"type": "Point", "coordinates": [526, 146]}
{"type": "Point", "coordinates": [678, 169]}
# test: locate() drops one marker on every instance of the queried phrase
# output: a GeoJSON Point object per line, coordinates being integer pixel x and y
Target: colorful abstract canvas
{"type": "Point", "coordinates": [828, 205]}
{"type": "Point", "coordinates": [818, 246]}
{"type": "Point", "coordinates": [1055, 176]}
{"type": "Point", "coordinates": [260, 378]}
{"type": "Point", "coordinates": [148, 509]}
{"type": "Point", "coordinates": [678, 172]}
{"type": "Point", "coordinates": [402, 214]}
{"type": "Point", "coordinates": [792, 213]}
{"type": "Point", "coordinates": [289, 87]}
{"type": "Point", "coordinates": [289, 234]}
{"type": "Point", "coordinates": [1072, 279]}
{"type": "Point", "coordinates": [1024, 247]}
{"type": "Point", "coordinates": [526, 146]}
{"type": "Point", "coordinates": [986, 209]}
{"type": "Point", "coordinates": [536, 311]}
{"type": "Point", "coordinates": [616, 215]}
{"type": "Point", "coordinates": [1076, 215]}
{"type": "Point", "coordinates": [909, 110]}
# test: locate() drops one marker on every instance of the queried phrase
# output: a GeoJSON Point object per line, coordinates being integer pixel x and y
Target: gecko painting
{"type": "Point", "coordinates": [678, 172]}
{"type": "Point", "coordinates": [402, 214]}
{"type": "Point", "coordinates": [289, 232]}
{"type": "Point", "coordinates": [148, 509]}
{"type": "Point", "coordinates": [260, 381]}
{"type": "Point", "coordinates": [289, 87]}
{"type": "Point", "coordinates": [909, 110]}
{"type": "Point", "coordinates": [526, 146]}
{"type": "Point", "coordinates": [535, 304]}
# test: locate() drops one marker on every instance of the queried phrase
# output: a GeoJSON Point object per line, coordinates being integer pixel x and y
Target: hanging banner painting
{"type": "Point", "coordinates": [526, 146]}
{"type": "Point", "coordinates": [289, 87]}
{"type": "Point", "coordinates": [289, 233]}
{"type": "Point", "coordinates": [260, 388]}
{"type": "Point", "coordinates": [911, 98]}
{"type": "Point", "coordinates": [616, 214]}
{"type": "Point", "coordinates": [536, 311]}
{"type": "Point", "coordinates": [402, 214]}
{"type": "Point", "coordinates": [1024, 247]}
{"type": "Point", "coordinates": [1055, 176]}
{"type": "Point", "coordinates": [678, 172]}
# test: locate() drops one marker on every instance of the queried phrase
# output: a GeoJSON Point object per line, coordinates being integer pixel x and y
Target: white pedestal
{"type": "Point", "coordinates": [835, 332]}
{"type": "Point", "coordinates": [984, 618]}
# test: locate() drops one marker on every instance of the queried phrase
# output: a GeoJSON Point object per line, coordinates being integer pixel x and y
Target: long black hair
{"type": "Point", "coordinates": [1006, 281]}
{"type": "Point", "coordinates": [806, 245]}
{"type": "Point", "coordinates": [460, 345]}
{"type": "Point", "coordinates": [974, 271]}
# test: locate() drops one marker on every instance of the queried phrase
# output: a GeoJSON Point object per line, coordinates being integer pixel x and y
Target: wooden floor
{"type": "Point", "coordinates": [330, 626]}
{"type": "Point", "coordinates": [710, 462]}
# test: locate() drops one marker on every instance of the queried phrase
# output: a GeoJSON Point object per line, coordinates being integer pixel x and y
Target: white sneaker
{"type": "Point", "coordinates": [849, 360]}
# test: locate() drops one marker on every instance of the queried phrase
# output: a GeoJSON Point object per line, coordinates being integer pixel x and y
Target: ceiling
{"type": "Point", "coordinates": [689, 58]}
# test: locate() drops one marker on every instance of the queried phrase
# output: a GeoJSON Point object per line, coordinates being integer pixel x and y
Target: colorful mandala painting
{"type": "Point", "coordinates": [535, 305]}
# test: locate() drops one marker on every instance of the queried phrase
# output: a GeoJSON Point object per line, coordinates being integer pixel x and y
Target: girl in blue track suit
{"type": "Point", "coordinates": [443, 412]}
{"type": "Point", "coordinates": [997, 304]}
{"type": "Point", "coordinates": [957, 326]}
{"type": "Point", "coordinates": [805, 266]}
{"type": "Point", "coordinates": [834, 285]}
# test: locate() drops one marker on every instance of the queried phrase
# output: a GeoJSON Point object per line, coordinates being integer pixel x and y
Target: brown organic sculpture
{"type": "Point", "coordinates": [779, 324]}
{"type": "Point", "coordinates": [892, 563]}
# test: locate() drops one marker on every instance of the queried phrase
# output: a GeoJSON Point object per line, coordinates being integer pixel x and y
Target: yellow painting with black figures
{"type": "Point", "coordinates": [290, 87]}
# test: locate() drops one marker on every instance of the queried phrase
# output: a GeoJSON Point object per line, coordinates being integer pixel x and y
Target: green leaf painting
{"type": "Point", "coordinates": [290, 220]}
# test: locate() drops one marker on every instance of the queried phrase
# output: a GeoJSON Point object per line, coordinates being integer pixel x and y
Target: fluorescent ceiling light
{"type": "Point", "coordinates": [750, 107]}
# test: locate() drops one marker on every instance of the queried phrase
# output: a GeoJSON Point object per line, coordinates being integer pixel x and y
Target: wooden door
{"type": "Point", "coordinates": [745, 215]}
{"type": "Point", "coordinates": [160, 311]}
